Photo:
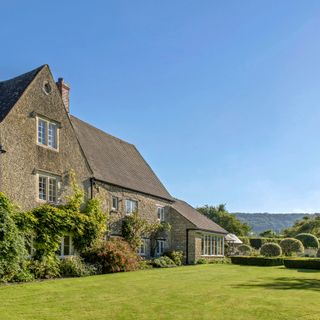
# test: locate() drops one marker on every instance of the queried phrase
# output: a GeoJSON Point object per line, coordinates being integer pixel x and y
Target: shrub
{"type": "Point", "coordinates": [175, 256]}
{"type": "Point", "coordinates": [223, 260]}
{"type": "Point", "coordinates": [308, 240]}
{"type": "Point", "coordinates": [291, 246]}
{"type": "Point", "coordinates": [245, 249]}
{"type": "Point", "coordinates": [74, 266]}
{"type": "Point", "coordinates": [12, 247]}
{"type": "Point", "coordinates": [302, 263]}
{"type": "Point", "coordinates": [245, 240]}
{"type": "Point", "coordinates": [113, 255]}
{"type": "Point", "coordinates": [257, 261]}
{"type": "Point", "coordinates": [271, 250]}
{"type": "Point", "coordinates": [145, 264]}
{"type": "Point", "coordinates": [318, 253]}
{"type": "Point", "coordinates": [202, 261]}
{"type": "Point", "coordinates": [45, 268]}
{"type": "Point", "coordinates": [257, 242]}
{"type": "Point", "coordinates": [163, 262]}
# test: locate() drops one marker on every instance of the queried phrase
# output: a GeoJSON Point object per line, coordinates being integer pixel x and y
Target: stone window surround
{"type": "Point", "coordinates": [161, 213]}
{"type": "Point", "coordinates": [131, 201]}
{"type": "Point", "coordinates": [48, 122]}
{"type": "Point", "coordinates": [142, 250]}
{"type": "Point", "coordinates": [47, 175]}
{"type": "Point", "coordinates": [70, 246]}
{"type": "Point", "coordinates": [115, 207]}
{"type": "Point", "coordinates": [161, 244]}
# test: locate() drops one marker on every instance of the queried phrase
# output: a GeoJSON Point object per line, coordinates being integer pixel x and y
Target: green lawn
{"type": "Point", "coordinates": [197, 292]}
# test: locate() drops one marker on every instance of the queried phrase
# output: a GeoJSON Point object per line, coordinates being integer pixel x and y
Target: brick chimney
{"type": "Point", "coordinates": [64, 91]}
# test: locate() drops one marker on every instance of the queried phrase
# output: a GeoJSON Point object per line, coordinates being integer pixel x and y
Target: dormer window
{"type": "Point", "coordinates": [47, 133]}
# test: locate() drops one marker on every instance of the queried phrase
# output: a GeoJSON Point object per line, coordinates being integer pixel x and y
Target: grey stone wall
{"type": "Point", "coordinates": [24, 157]}
{"type": "Point", "coordinates": [178, 234]}
{"type": "Point", "coordinates": [147, 206]}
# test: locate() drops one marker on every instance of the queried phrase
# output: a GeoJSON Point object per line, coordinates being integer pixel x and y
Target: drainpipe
{"type": "Point", "coordinates": [187, 246]}
{"type": "Point", "coordinates": [92, 184]}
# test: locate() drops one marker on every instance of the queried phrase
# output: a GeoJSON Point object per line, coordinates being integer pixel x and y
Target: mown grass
{"type": "Point", "coordinates": [197, 292]}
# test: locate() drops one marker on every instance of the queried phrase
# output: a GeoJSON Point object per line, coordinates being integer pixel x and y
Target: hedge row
{"type": "Point", "coordinates": [257, 261]}
{"type": "Point", "coordinates": [258, 241]}
{"type": "Point", "coordinates": [305, 263]}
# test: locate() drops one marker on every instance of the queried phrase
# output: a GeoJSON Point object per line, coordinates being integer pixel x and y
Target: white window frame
{"type": "Point", "coordinates": [71, 247]}
{"type": "Point", "coordinates": [142, 250]}
{"type": "Point", "coordinates": [161, 213]}
{"type": "Point", "coordinates": [48, 180]}
{"type": "Point", "coordinates": [48, 123]}
{"type": "Point", "coordinates": [117, 201]}
{"type": "Point", "coordinates": [130, 208]}
{"type": "Point", "coordinates": [212, 245]}
{"type": "Point", "coordinates": [161, 244]}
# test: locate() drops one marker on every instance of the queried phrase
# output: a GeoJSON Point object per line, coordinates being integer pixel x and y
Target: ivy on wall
{"type": "Point", "coordinates": [134, 227]}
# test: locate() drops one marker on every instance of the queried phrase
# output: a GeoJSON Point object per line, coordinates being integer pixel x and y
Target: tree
{"type": "Point", "coordinates": [305, 225]}
{"type": "Point", "coordinates": [223, 218]}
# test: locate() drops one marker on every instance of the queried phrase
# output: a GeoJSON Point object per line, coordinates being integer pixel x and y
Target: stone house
{"type": "Point", "coordinates": [40, 143]}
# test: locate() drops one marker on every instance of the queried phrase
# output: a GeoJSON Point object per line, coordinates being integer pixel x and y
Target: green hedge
{"type": "Point", "coordinates": [259, 241]}
{"type": "Point", "coordinates": [302, 263]}
{"type": "Point", "coordinates": [257, 261]}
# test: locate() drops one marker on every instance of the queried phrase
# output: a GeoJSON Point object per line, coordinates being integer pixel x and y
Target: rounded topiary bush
{"type": "Point", "coordinates": [245, 249]}
{"type": "Point", "coordinates": [291, 246]}
{"type": "Point", "coordinates": [308, 240]}
{"type": "Point", "coordinates": [271, 249]}
{"type": "Point", "coordinates": [318, 253]}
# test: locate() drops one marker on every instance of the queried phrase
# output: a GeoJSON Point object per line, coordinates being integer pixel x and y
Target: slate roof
{"type": "Point", "coordinates": [116, 161]}
{"type": "Point", "coordinates": [195, 217]}
{"type": "Point", "coordinates": [11, 90]}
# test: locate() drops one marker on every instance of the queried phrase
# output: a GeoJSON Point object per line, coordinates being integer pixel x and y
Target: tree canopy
{"type": "Point", "coordinates": [226, 220]}
{"type": "Point", "coordinates": [305, 225]}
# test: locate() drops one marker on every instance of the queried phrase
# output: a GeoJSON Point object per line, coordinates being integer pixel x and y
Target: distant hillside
{"type": "Point", "coordinates": [274, 221]}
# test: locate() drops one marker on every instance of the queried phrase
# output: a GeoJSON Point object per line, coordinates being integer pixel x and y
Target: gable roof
{"type": "Point", "coordinates": [11, 90]}
{"type": "Point", "coordinates": [117, 162]}
{"type": "Point", "coordinates": [195, 217]}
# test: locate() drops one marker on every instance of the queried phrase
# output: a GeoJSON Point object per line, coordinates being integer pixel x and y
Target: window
{"type": "Point", "coordinates": [131, 206]}
{"type": "Point", "coordinates": [66, 247]}
{"type": "Point", "coordinates": [160, 247]}
{"type": "Point", "coordinates": [48, 133]}
{"type": "Point", "coordinates": [142, 251]}
{"type": "Point", "coordinates": [115, 203]}
{"type": "Point", "coordinates": [212, 245]}
{"type": "Point", "coordinates": [47, 87]}
{"type": "Point", "coordinates": [48, 188]}
{"type": "Point", "coordinates": [160, 214]}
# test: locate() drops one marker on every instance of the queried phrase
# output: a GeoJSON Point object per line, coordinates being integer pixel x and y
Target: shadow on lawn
{"type": "Point", "coordinates": [285, 284]}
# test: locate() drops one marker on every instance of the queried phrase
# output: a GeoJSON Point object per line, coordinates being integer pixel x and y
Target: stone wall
{"type": "Point", "coordinates": [24, 157]}
{"type": "Point", "coordinates": [147, 206]}
{"type": "Point", "coordinates": [178, 234]}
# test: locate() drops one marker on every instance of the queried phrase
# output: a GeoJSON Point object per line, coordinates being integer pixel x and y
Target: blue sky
{"type": "Point", "coordinates": [222, 98]}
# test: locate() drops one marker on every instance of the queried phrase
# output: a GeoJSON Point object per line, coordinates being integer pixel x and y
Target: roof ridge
{"type": "Point", "coordinates": [102, 131]}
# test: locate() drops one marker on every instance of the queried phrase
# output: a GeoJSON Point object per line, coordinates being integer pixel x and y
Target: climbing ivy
{"type": "Point", "coordinates": [134, 227]}
{"type": "Point", "coordinates": [84, 220]}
